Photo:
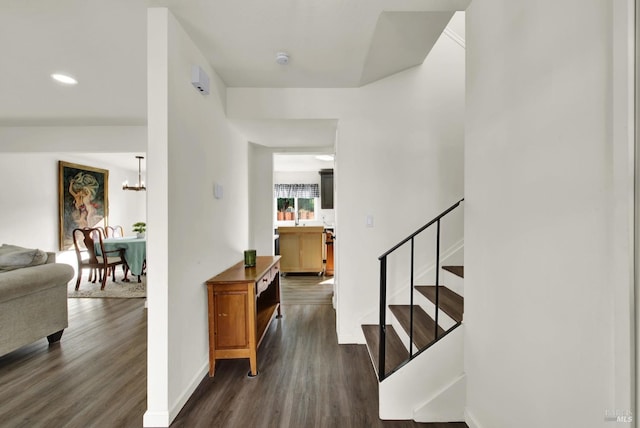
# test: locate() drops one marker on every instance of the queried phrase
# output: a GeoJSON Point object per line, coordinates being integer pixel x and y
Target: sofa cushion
{"type": "Point", "coordinates": [15, 257]}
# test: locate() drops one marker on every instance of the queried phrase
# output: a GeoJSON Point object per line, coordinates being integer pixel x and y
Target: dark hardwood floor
{"type": "Point", "coordinates": [305, 380]}
{"type": "Point", "coordinates": [96, 377]}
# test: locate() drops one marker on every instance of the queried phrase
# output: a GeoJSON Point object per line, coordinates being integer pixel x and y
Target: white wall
{"type": "Point", "coordinates": [29, 187]}
{"type": "Point", "coordinates": [261, 202]}
{"type": "Point", "coordinates": [399, 158]}
{"type": "Point", "coordinates": [540, 184]}
{"type": "Point", "coordinates": [191, 235]}
{"type": "Point", "coordinates": [80, 139]}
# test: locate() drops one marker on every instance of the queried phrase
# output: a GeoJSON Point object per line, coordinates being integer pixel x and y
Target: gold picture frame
{"type": "Point", "coordinates": [83, 197]}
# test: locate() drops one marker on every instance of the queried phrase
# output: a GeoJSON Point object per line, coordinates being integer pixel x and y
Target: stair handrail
{"type": "Point", "coordinates": [383, 290]}
{"type": "Point", "coordinates": [417, 232]}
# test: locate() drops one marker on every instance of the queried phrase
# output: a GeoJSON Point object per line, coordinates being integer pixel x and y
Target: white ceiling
{"type": "Point", "coordinates": [100, 42]}
{"type": "Point", "coordinates": [332, 43]}
{"type": "Point", "coordinates": [283, 162]}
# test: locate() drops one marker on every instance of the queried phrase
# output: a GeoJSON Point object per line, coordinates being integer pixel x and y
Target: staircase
{"type": "Point", "coordinates": [421, 347]}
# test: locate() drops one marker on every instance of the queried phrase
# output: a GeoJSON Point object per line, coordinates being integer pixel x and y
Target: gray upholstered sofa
{"type": "Point", "coordinates": [33, 302]}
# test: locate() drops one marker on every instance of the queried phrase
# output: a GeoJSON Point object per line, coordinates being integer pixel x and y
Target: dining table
{"type": "Point", "coordinates": [135, 253]}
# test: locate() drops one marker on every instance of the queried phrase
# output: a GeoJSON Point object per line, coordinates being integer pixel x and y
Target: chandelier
{"type": "Point", "coordinates": [140, 185]}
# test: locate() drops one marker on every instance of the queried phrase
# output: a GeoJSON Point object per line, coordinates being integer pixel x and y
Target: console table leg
{"type": "Point", "coordinates": [254, 365]}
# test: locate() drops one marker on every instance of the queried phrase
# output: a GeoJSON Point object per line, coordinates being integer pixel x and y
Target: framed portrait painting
{"type": "Point", "coordinates": [83, 199]}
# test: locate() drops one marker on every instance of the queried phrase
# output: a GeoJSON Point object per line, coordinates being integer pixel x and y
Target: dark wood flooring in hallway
{"type": "Point", "coordinates": [305, 380]}
{"type": "Point", "coordinates": [97, 376]}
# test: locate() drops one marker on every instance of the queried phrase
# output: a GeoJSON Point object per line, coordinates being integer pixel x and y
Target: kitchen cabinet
{"type": "Point", "coordinates": [301, 248]}
{"type": "Point", "coordinates": [326, 189]}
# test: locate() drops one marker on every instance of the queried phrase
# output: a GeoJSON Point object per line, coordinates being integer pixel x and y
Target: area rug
{"type": "Point", "coordinates": [115, 290]}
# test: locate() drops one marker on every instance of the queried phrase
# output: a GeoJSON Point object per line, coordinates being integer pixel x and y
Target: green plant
{"type": "Point", "coordinates": [140, 227]}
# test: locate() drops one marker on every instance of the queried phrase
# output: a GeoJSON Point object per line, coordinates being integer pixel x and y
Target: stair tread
{"type": "Point", "coordinates": [456, 270]}
{"type": "Point", "coordinates": [449, 301]}
{"type": "Point", "coordinates": [395, 351]}
{"type": "Point", "coordinates": [423, 324]}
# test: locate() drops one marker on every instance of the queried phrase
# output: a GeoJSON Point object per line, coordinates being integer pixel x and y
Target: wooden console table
{"type": "Point", "coordinates": [242, 303]}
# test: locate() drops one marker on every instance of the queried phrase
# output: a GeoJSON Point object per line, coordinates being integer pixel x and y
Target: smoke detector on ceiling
{"type": "Point", "coordinates": [282, 58]}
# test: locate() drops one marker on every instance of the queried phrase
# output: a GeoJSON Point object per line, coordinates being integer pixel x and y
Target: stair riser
{"type": "Point", "coordinates": [452, 256]}
{"type": "Point", "coordinates": [452, 281]}
{"type": "Point", "coordinates": [404, 336]}
{"type": "Point", "coordinates": [444, 320]}
{"type": "Point", "coordinates": [424, 327]}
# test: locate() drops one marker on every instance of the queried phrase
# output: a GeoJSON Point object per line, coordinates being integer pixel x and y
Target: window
{"type": "Point", "coordinates": [286, 208]}
{"type": "Point", "coordinates": [296, 201]}
{"type": "Point", "coordinates": [289, 207]}
{"type": "Point", "coordinates": [306, 208]}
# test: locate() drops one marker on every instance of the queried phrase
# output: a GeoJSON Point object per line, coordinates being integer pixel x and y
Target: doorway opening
{"type": "Point", "coordinates": [304, 225]}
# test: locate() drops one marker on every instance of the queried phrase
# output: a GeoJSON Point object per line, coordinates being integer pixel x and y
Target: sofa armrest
{"type": "Point", "coordinates": [21, 282]}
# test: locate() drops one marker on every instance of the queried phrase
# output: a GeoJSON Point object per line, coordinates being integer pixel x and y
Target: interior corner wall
{"type": "Point", "coordinates": [261, 202]}
{"type": "Point", "coordinates": [540, 184]}
{"type": "Point", "coordinates": [193, 147]}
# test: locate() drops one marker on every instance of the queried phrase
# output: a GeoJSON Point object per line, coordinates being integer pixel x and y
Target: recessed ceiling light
{"type": "Point", "coordinates": [64, 78]}
{"type": "Point", "coordinates": [327, 158]}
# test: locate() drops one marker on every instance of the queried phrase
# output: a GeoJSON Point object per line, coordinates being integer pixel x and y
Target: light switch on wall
{"type": "Point", "coordinates": [369, 220]}
{"type": "Point", "coordinates": [218, 191]}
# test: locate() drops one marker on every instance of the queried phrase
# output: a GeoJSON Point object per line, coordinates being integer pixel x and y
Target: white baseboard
{"type": "Point", "coordinates": [188, 391]}
{"type": "Point", "coordinates": [446, 405]}
{"type": "Point", "coordinates": [470, 419]}
{"type": "Point", "coordinates": [350, 339]}
{"type": "Point", "coordinates": [164, 418]}
{"type": "Point", "coordinates": [155, 419]}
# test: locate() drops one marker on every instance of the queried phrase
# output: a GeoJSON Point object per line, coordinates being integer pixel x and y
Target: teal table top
{"type": "Point", "coordinates": [135, 250]}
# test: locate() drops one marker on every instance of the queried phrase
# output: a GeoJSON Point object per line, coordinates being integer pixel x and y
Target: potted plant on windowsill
{"type": "Point", "coordinates": [140, 228]}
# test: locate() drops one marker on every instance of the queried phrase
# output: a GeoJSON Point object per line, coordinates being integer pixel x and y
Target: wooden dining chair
{"type": "Point", "coordinates": [93, 273]}
{"type": "Point", "coordinates": [108, 232]}
{"type": "Point", "coordinates": [114, 231]}
{"type": "Point", "coordinates": [98, 264]}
